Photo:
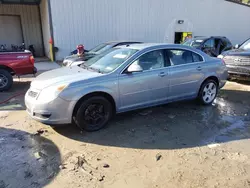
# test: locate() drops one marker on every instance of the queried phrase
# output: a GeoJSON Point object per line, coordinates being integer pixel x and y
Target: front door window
{"type": "Point", "coordinates": [151, 60]}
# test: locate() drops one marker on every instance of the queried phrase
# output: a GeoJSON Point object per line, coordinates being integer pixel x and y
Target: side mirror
{"type": "Point", "coordinates": [237, 46]}
{"type": "Point", "coordinates": [134, 68]}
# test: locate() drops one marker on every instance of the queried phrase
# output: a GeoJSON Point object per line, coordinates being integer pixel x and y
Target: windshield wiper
{"type": "Point", "coordinates": [96, 70]}
{"type": "Point", "coordinates": [84, 66]}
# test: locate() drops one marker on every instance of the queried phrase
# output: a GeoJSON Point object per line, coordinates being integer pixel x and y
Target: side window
{"type": "Point", "coordinates": [182, 57]}
{"type": "Point", "coordinates": [197, 58]}
{"type": "Point", "coordinates": [228, 45]}
{"type": "Point", "coordinates": [209, 43]}
{"type": "Point", "coordinates": [217, 43]}
{"type": "Point", "coordinates": [151, 60]}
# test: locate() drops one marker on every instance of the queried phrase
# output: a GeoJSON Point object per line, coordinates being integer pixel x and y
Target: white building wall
{"type": "Point", "coordinates": [93, 21]}
{"type": "Point", "coordinates": [30, 23]}
{"type": "Point", "coordinates": [45, 26]}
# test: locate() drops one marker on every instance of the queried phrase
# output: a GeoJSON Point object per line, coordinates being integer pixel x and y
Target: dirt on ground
{"type": "Point", "coordinates": [176, 145]}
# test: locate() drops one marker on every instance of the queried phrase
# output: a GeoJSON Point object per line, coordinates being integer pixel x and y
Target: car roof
{"type": "Point", "coordinates": [155, 45]}
{"type": "Point", "coordinates": [141, 46]}
{"type": "Point", "coordinates": [118, 42]}
{"type": "Point", "coordinates": [200, 37]}
{"type": "Point", "coordinates": [204, 37]}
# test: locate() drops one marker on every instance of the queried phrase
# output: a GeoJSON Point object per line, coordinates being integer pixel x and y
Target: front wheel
{"type": "Point", "coordinates": [93, 114]}
{"type": "Point", "coordinates": [208, 92]}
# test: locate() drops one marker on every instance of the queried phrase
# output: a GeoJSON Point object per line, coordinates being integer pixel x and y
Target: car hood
{"type": "Point", "coordinates": [74, 58]}
{"type": "Point", "coordinates": [65, 75]}
{"type": "Point", "coordinates": [237, 52]}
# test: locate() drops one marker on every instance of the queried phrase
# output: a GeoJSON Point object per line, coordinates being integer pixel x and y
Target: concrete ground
{"type": "Point", "coordinates": [177, 145]}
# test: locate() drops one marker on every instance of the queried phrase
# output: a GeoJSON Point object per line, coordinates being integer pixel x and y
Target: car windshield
{"type": "Point", "coordinates": [100, 48]}
{"type": "Point", "coordinates": [109, 60]}
{"type": "Point", "coordinates": [245, 45]}
{"type": "Point", "coordinates": [193, 42]}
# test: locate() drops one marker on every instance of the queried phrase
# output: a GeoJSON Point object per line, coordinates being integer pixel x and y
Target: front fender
{"type": "Point", "coordinates": [75, 94]}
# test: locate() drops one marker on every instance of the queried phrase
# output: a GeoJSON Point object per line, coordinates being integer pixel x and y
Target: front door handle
{"type": "Point", "coordinates": [199, 68]}
{"type": "Point", "coordinates": [162, 74]}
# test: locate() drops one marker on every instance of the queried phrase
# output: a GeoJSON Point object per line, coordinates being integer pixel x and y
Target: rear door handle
{"type": "Point", "coordinates": [162, 74]}
{"type": "Point", "coordinates": [199, 68]}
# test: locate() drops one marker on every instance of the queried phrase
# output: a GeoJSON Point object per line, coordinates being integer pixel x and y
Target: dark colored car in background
{"type": "Point", "coordinates": [238, 61]}
{"type": "Point", "coordinates": [95, 51]}
{"type": "Point", "coordinates": [212, 46]}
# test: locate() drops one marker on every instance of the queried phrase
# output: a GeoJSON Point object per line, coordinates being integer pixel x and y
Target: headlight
{"type": "Point", "coordinates": [66, 63]}
{"type": "Point", "coordinates": [220, 56]}
{"type": "Point", "coordinates": [51, 93]}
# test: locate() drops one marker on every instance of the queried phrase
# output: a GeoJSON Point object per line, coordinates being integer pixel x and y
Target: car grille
{"type": "Point", "coordinates": [32, 94]}
{"type": "Point", "coordinates": [237, 60]}
{"type": "Point", "coordinates": [239, 70]}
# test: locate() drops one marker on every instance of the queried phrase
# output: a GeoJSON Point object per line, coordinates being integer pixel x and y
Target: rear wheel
{"type": "Point", "coordinates": [208, 92]}
{"type": "Point", "coordinates": [93, 114]}
{"type": "Point", "coordinates": [6, 80]}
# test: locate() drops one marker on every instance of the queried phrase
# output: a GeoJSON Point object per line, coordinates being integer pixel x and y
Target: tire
{"type": "Point", "coordinates": [208, 92]}
{"type": "Point", "coordinates": [97, 110]}
{"type": "Point", "coordinates": [6, 80]}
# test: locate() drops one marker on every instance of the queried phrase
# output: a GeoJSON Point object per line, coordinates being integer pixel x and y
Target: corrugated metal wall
{"type": "Point", "coordinates": [30, 22]}
{"type": "Point", "coordinates": [45, 26]}
{"type": "Point", "coordinates": [94, 21]}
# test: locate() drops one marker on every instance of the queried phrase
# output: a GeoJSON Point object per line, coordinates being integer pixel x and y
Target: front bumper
{"type": "Point", "coordinates": [239, 76]}
{"type": "Point", "coordinates": [241, 72]}
{"type": "Point", "coordinates": [58, 111]}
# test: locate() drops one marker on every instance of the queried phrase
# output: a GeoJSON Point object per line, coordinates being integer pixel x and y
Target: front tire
{"type": "Point", "coordinates": [93, 114]}
{"type": "Point", "coordinates": [208, 92]}
{"type": "Point", "coordinates": [6, 80]}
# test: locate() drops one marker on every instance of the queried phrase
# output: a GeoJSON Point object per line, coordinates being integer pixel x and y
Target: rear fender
{"type": "Point", "coordinates": [9, 69]}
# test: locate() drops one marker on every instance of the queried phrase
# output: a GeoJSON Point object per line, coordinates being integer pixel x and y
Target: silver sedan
{"type": "Point", "coordinates": [123, 79]}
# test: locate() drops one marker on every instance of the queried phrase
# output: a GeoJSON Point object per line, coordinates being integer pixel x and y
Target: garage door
{"type": "Point", "coordinates": [10, 31]}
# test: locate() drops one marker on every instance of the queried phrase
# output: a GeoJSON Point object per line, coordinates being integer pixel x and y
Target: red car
{"type": "Point", "coordinates": [14, 63]}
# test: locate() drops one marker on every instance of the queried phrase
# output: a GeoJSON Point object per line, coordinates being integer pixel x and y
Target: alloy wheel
{"type": "Point", "coordinates": [209, 92]}
{"type": "Point", "coordinates": [95, 114]}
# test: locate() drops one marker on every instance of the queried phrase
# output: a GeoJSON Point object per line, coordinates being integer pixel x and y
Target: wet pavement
{"type": "Point", "coordinates": [181, 144]}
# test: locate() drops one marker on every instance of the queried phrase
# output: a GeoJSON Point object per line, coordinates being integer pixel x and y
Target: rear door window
{"type": "Point", "coordinates": [182, 57]}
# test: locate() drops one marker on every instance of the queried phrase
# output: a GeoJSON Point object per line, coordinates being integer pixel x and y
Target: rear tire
{"type": "Point", "coordinates": [6, 80]}
{"type": "Point", "coordinates": [93, 114]}
{"type": "Point", "coordinates": [208, 92]}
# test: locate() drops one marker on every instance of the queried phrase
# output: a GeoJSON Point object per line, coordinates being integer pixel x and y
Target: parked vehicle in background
{"type": "Point", "coordinates": [75, 52]}
{"type": "Point", "coordinates": [122, 79]}
{"type": "Point", "coordinates": [212, 46]}
{"type": "Point", "coordinates": [238, 61]}
{"type": "Point", "coordinates": [14, 63]}
{"type": "Point", "coordinates": [75, 60]}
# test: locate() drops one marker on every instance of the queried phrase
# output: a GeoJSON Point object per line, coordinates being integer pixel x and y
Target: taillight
{"type": "Point", "coordinates": [32, 60]}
